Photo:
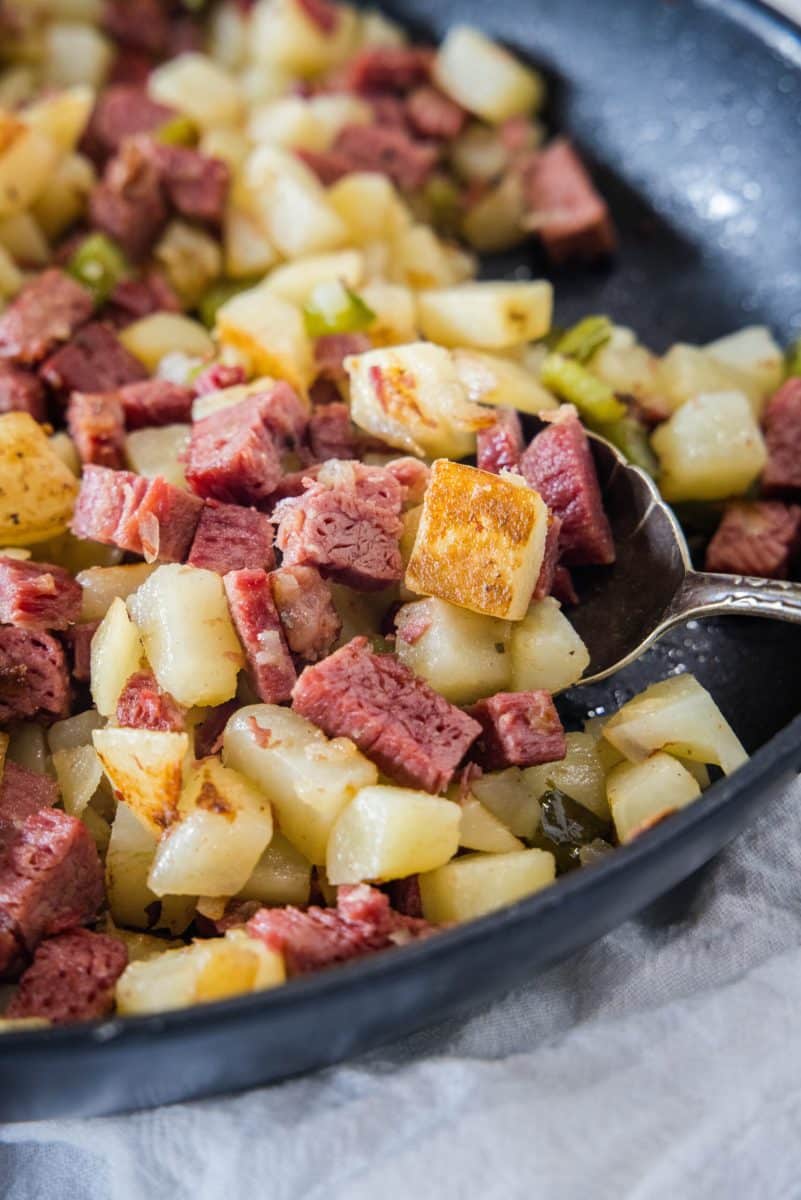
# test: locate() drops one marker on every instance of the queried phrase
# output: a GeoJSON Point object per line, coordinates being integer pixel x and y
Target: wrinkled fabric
{"type": "Point", "coordinates": [663, 1061]}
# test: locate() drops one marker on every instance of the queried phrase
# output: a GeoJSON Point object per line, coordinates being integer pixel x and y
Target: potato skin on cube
{"type": "Point", "coordinates": [480, 543]}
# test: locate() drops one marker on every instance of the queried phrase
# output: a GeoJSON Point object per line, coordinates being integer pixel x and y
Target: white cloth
{"type": "Point", "coordinates": [663, 1061]}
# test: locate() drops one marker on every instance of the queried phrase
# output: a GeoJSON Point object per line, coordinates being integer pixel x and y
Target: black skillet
{"type": "Point", "coordinates": [691, 111]}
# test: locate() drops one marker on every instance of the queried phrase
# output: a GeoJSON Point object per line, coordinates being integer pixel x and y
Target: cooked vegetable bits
{"type": "Point", "coordinates": [480, 542]}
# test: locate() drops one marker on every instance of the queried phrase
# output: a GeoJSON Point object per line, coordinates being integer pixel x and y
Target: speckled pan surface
{"type": "Point", "coordinates": [692, 111]}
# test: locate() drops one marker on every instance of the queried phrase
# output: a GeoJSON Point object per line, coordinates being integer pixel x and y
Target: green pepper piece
{"type": "Point", "coordinates": [99, 264]}
{"type": "Point", "coordinates": [213, 299]}
{"type": "Point", "coordinates": [334, 308]}
{"type": "Point", "coordinates": [630, 436]}
{"type": "Point", "coordinates": [794, 358]}
{"type": "Point", "coordinates": [593, 398]}
{"type": "Point", "coordinates": [565, 826]}
{"type": "Point", "coordinates": [583, 339]}
{"type": "Point", "coordinates": [178, 131]}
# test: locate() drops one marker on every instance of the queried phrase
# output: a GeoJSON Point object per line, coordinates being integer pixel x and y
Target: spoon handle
{"type": "Point", "coordinates": [704, 594]}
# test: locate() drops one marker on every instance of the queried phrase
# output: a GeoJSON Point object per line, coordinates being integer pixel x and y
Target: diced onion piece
{"type": "Point", "coordinates": [101, 584]}
{"type": "Point", "coordinates": [510, 797]}
{"type": "Point", "coordinates": [479, 829]}
{"type": "Point", "coordinates": [488, 316]}
{"type": "Point", "coordinates": [198, 87]}
{"type": "Point", "coordinates": [74, 731]}
{"type": "Point", "coordinates": [545, 650]}
{"type": "Point", "coordinates": [626, 366]}
{"type": "Point", "coordinates": [158, 451]}
{"type": "Point", "coordinates": [389, 833]}
{"type": "Point", "coordinates": [580, 774]}
{"type": "Point", "coordinates": [223, 826]}
{"type": "Point", "coordinates": [144, 766]}
{"type": "Point", "coordinates": [281, 876]}
{"type": "Point", "coordinates": [680, 716]}
{"type": "Point", "coordinates": [462, 654]}
{"type": "Point", "coordinates": [27, 747]}
{"type": "Point", "coordinates": [116, 653]}
{"type": "Point", "coordinates": [484, 77]}
{"type": "Point", "coordinates": [128, 860]}
{"type": "Point", "coordinates": [754, 352]}
{"type": "Point", "coordinates": [270, 333]}
{"type": "Point", "coordinates": [295, 281]}
{"type": "Point", "coordinates": [307, 777]}
{"type": "Point", "coordinates": [493, 379]}
{"type": "Point", "coordinates": [152, 338]}
{"type": "Point", "coordinates": [642, 794]}
{"type": "Point", "coordinates": [476, 884]}
{"type": "Point", "coordinates": [710, 449]}
{"type": "Point", "coordinates": [78, 772]}
{"type": "Point", "coordinates": [292, 204]}
{"type": "Point", "coordinates": [75, 53]}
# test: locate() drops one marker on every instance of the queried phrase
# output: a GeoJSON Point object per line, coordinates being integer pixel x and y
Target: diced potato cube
{"type": "Point", "coordinates": [480, 543]}
{"type": "Point", "coordinates": [411, 398]}
{"type": "Point", "coordinates": [479, 829]}
{"type": "Point", "coordinates": [710, 449]}
{"type": "Point", "coordinates": [74, 731]}
{"type": "Point", "coordinates": [281, 876]}
{"type": "Point", "coordinates": [116, 653]}
{"type": "Point", "coordinates": [642, 794]}
{"type": "Point", "coordinates": [63, 115]}
{"type": "Point", "coordinates": [754, 352]}
{"type": "Point", "coordinates": [679, 716]}
{"type": "Point", "coordinates": [145, 766]}
{"type": "Point", "coordinates": [151, 338]}
{"type": "Point", "coordinates": [370, 207]}
{"type": "Point", "coordinates": [189, 639]}
{"type": "Point", "coordinates": [78, 772]}
{"type": "Point", "coordinates": [229, 29]}
{"type": "Point", "coordinates": [22, 236]}
{"type": "Point", "coordinates": [476, 884]}
{"type": "Point", "coordinates": [580, 774]}
{"type": "Point", "coordinates": [270, 333]}
{"type": "Point", "coordinates": [478, 154]}
{"type": "Point", "coordinates": [420, 259]}
{"type": "Point", "coordinates": [75, 53]}
{"type": "Point", "coordinates": [209, 969]}
{"type": "Point", "coordinates": [545, 650]}
{"type": "Point", "coordinates": [64, 200]}
{"type": "Point", "coordinates": [37, 491]}
{"type": "Point", "coordinates": [292, 204]}
{"type": "Point", "coordinates": [492, 379]}
{"type": "Point", "coordinates": [288, 122]}
{"type": "Point", "coordinates": [307, 777]}
{"type": "Point", "coordinates": [10, 276]}
{"type": "Point", "coordinates": [295, 281]}
{"type": "Point", "coordinates": [688, 371]}
{"type": "Point", "coordinates": [377, 29]}
{"type": "Point", "coordinates": [391, 832]}
{"type": "Point", "coordinates": [247, 249]}
{"type": "Point", "coordinates": [191, 259]}
{"type": "Point", "coordinates": [488, 316]}
{"type": "Point", "coordinates": [157, 451]}
{"type": "Point", "coordinates": [484, 77]}
{"type": "Point", "coordinates": [395, 311]}
{"type": "Point", "coordinates": [199, 87]}
{"type": "Point", "coordinates": [495, 222]}
{"type": "Point", "coordinates": [224, 825]}
{"type": "Point", "coordinates": [128, 860]}
{"type": "Point", "coordinates": [283, 34]}
{"type": "Point", "coordinates": [510, 797]}
{"type": "Point", "coordinates": [629, 368]}
{"type": "Point", "coordinates": [462, 654]}
{"type": "Point", "coordinates": [102, 584]}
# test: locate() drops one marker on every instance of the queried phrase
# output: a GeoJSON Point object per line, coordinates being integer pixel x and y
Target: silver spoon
{"type": "Point", "coordinates": [652, 586]}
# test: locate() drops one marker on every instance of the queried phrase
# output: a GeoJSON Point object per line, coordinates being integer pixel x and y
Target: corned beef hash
{"type": "Point", "coordinates": [285, 591]}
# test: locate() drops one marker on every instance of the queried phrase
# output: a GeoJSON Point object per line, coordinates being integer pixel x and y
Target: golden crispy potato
{"type": "Point", "coordinates": [37, 491]}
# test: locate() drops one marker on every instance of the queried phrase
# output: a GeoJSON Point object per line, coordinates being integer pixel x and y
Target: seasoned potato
{"type": "Point", "coordinates": [158, 451]}
{"type": "Point", "coordinates": [281, 876]}
{"type": "Point", "coordinates": [545, 650]}
{"type": "Point", "coordinates": [284, 35]}
{"type": "Point", "coordinates": [222, 828]}
{"type": "Point", "coordinates": [510, 796]}
{"type": "Point", "coordinates": [145, 766]}
{"type": "Point", "coordinates": [641, 794]}
{"type": "Point", "coordinates": [27, 160]}
{"type": "Point", "coordinates": [199, 87]}
{"type": "Point", "coordinates": [688, 371]}
{"type": "Point", "coordinates": [395, 311]}
{"type": "Point", "coordinates": [493, 379]}
{"type": "Point", "coordinates": [580, 774]}
{"type": "Point", "coordinates": [411, 398]}
{"type": "Point", "coordinates": [102, 584]}
{"type": "Point", "coordinates": [480, 542]}
{"type": "Point", "coordinates": [391, 832]}
{"type": "Point", "coordinates": [63, 115]}
{"type": "Point", "coordinates": [152, 338]}
{"type": "Point", "coordinates": [307, 777]}
{"type": "Point", "coordinates": [292, 204]}
{"type": "Point", "coordinates": [487, 316]}
{"type": "Point", "coordinates": [270, 333]}
{"type": "Point", "coordinates": [753, 352]}
{"type": "Point", "coordinates": [295, 281]}
{"type": "Point", "coordinates": [78, 772]}
{"type": "Point", "coordinates": [128, 860]}
{"type": "Point", "coordinates": [476, 884]}
{"type": "Point", "coordinates": [462, 654]}
{"type": "Point", "coordinates": [22, 236]}
{"type": "Point", "coordinates": [370, 207]}
{"type": "Point", "coordinates": [116, 653]}
{"type": "Point", "coordinates": [209, 969]}
{"type": "Point", "coordinates": [485, 78]}
{"type": "Point", "coordinates": [479, 829]}
{"type": "Point", "coordinates": [710, 449]}
{"type": "Point", "coordinates": [37, 491]}
{"type": "Point", "coordinates": [187, 632]}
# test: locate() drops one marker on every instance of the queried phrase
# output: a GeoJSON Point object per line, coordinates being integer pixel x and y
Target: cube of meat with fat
{"type": "Point", "coordinates": [128, 203]}
{"type": "Point", "coordinates": [407, 162]}
{"type": "Point", "coordinates": [155, 402]}
{"type": "Point", "coordinates": [144, 705]}
{"type": "Point", "coordinates": [520, 729]}
{"type": "Point", "coordinates": [72, 978]}
{"type": "Point", "coordinates": [232, 455]}
{"type": "Point", "coordinates": [760, 538]}
{"type": "Point", "coordinates": [50, 880]}
{"type": "Point", "coordinates": [412, 734]}
{"type": "Point", "coordinates": [122, 111]}
{"type": "Point", "coordinates": [310, 621]}
{"type": "Point", "coordinates": [558, 463]}
{"type": "Point", "coordinates": [36, 595]}
{"type": "Point", "coordinates": [256, 620]}
{"type": "Point", "coordinates": [231, 538]}
{"type": "Point", "coordinates": [347, 523]}
{"type": "Point", "coordinates": [564, 208]}
{"type": "Point", "coordinates": [145, 516]}
{"type": "Point", "coordinates": [94, 360]}
{"type": "Point", "coordinates": [34, 681]}
{"type": "Point", "coordinates": [96, 424]}
{"type": "Point", "coordinates": [195, 184]}
{"type": "Point", "coordinates": [132, 299]}
{"type": "Point", "coordinates": [500, 445]}
{"type": "Point", "coordinates": [48, 310]}
{"type": "Point", "coordinates": [311, 939]}
{"type": "Point", "coordinates": [782, 427]}
{"type": "Point", "coordinates": [21, 391]}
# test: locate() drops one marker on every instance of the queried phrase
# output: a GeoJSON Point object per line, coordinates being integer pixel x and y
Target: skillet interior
{"type": "Point", "coordinates": [691, 110]}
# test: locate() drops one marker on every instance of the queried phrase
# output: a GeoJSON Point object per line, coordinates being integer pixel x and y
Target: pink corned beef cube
{"type": "Point", "coordinates": [520, 729]}
{"type": "Point", "coordinates": [37, 595]}
{"type": "Point", "coordinates": [761, 538]}
{"type": "Point", "coordinates": [71, 978]}
{"type": "Point", "coordinates": [231, 538]}
{"type": "Point", "coordinates": [256, 620]}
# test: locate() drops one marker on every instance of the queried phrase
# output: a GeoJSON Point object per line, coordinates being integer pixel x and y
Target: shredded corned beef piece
{"type": "Point", "coordinates": [391, 152]}
{"type": "Point", "coordinates": [432, 114]}
{"type": "Point", "coordinates": [500, 445]}
{"type": "Point", "coordinates": [72, 978]}
{"type": "Point", "coordinates": [404, 896]}
{"type": "Point", "coordinates": [564, 208]}
{"type": "Point", "coordinates": [309, 619]}
{"type": "Point", "coordinates": [231, 538]}
{"type": "Point", "coordinates": [35, 595]}
{"type": "Point", "coordinates": [519, 729]}
{"type": "Point", "coordinates": [331, 434]}
{"type": "Point", "coordinates": [96, 424]}
{"type": "Point", "coordinates": [256, 620]}
{"type": "Point", "coordinates": [209, 735]}
{"type": "Point", "coordinates": [21, 391]}
{"type": "Point", "coordinates": [141, 24]}
{"type": "Point", "coordinates": [34, 681]}
{"type": "Point", "coordinates": [122, 111]}
{"type": "Point", "coordinates": [328, 165]}
{"type": "Point", "coordinates": [133, 299]}
{"type": "Point", "coordinates": [48, 310]}
{"type": "Point", "coordinates": [412, 734]}
{"type": "Point", "coordinates": [362, 923]}
{"type": "Point", "coordinates": [389, 69]}
{"type": "Point", "coordinates": [782, 425]}
{"type": "Point", "coordinates": [232, 456]}
{"type": "Point", "coordinates": [562, 588]}
{"type": "Point", "coordinates": [321, 13]}
{"type": "Point", "coordinates": [155, 402]}
{"type": "Point", "coordinates": [145, 516]}
{"type": "Point", "coordinates": [195, 184]}
{"type": "Point", "coordinates": [128, 203]}
{"type": "Point", "coordinates": [94, 360]}
{"type": "Point", "coordinates": [143, 705]}
{"type": "Point", "coordinates": [331, 350]}
{"type": "Point", "coordinates": [22, 793]}
{"type": "Point", "coordinates": [760, 537]}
